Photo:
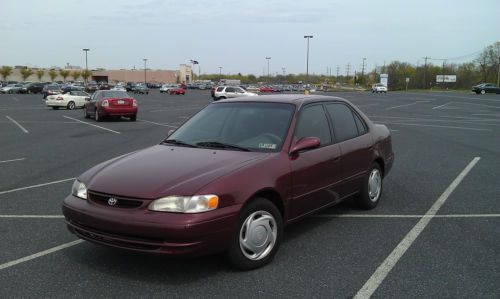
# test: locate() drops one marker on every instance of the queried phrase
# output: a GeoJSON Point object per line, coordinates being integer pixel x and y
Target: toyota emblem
{"type": "Point", "coordinates": [112, 201]}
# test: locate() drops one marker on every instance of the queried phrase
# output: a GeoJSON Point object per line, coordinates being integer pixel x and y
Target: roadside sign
{"type": "Point", "coordinates": [446, 78]}
{"type": "Point", "coordinates": [407, 79]}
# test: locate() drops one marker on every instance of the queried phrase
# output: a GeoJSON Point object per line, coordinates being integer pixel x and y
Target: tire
{"type": "Point", "coordinates": [97, 117]}
{"type": "Point", "coordinates": [133, 118]}
{"type": "Point", "coordinates": [55, 107]}
{"type": "Point", "coordinates": [371, 191]}
{"type": "Point", "coordinates": [85, 114]}
{"type": "Point", "coordinates": [265, 220]}
{"type": "Point", "coordinates": [483, 91]}
{"type": "Point", "coordinates": [71, 105]}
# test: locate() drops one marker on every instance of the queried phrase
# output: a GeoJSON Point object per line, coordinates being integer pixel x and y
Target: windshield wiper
{"type": "Point", "coordinates": [177, 142]}
{"type": "Point", "coordinates": [216, 144]}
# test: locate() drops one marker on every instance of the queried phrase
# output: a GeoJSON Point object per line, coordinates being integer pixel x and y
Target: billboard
{"type": "Point", "coordinates": [446, 78]}
{"type": "Point", "coordinates": [384, 78]}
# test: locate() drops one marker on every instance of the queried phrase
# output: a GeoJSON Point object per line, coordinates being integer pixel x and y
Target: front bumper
{"type": "Point", "coordinates": [153, 232]}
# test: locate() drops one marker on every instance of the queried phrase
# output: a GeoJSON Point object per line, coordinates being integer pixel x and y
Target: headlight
{"type": "Point", "coordinates": [79, 189]}
{"type": "Point", "coordinates": [185, 204]}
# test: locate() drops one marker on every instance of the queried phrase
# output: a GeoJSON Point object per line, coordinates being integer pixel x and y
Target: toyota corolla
{"type": "Point", "coordinates": [231, 177]}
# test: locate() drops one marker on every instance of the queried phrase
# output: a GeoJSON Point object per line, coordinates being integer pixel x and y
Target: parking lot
{"type": "Point", "coordinates": [435, 232]}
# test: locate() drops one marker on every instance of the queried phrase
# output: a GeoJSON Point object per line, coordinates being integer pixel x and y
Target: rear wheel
{"type": "Point", "coordinates": [133, 118]}
{"type": "Point", "coordinates": [371, 189]}
{"type": "Point", "coordinates": [257, 236]}
{"type": "Point", "coordinates": [71, 105]}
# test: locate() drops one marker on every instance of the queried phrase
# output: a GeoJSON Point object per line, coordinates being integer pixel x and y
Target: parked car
{"type": "Point", "coordinates": [265, 89]}
{"type": "Point", "coordinates": [119, 88]}
{"type": "Point", "coordinates": [71, 100]}
{"type": "Point", "coordinates": [110, 103]}
{"type": "Point", "coordinates": [177, 91]}
{"type": "Point", "coordinates": [301, 153]}
{"type": "Point", "coordinates": [142, 89]}
{"type": "Point", "coordinates": [130, 86]}
{"type": "Point", "coordinates": [51, 89]}
{"type": "Point", "coordinates": [167, 87]}
{"type": "Point", "coordinates": [69, 88]}
{"type": "Point", "coordinates": [379, 87]}
{"type": "Point", "coordinates": [225, 92]}
{"type": "Point", "coordinates": [91, 87]}
{"type": "Point", "coordinates": [11, 88]}
{"type": "Point", "coordinates": [486, 88]}
{"type": "Point", "coordinates": [34, 87]}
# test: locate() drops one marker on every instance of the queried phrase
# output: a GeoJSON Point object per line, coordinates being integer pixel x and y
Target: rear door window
{"type": "Point", "coordinates": [344, 124]}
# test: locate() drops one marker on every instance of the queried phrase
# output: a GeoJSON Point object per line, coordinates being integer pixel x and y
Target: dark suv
{"type": "Point", "coordinates": [35, 87]}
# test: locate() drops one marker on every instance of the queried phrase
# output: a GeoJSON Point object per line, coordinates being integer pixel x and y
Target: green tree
{"type": "Point", "coordinates": [39, 74]}
{"type": "Point", "coordinates": [5, 71]}
{"type": "Point", "coordinates": [76, 75]}
{"type": "Point", "coordinates": [86, 74]}
{"type": "Point", "coordinates": [64, 74]}
{"type": "Point", "coordinates": [26, 72]}
{"type": "Point", "coordinates": [52, 74]}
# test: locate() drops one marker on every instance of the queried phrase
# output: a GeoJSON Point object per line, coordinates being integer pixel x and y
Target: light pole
{"type": "Point", "coordinates": [498, 73]}
{"type": "Point", "coordinates": [86, 64]}
{"type": "Point", "coordinates": [220, 73]}
{"type": "Point", "coordinates": [307, 63]}
{"type": "Point", "coordinates": [268, 75]}
{"type": "Point", "coordinates": [363, 72]}
{"type": "Point", "coordinates": [145, 59]}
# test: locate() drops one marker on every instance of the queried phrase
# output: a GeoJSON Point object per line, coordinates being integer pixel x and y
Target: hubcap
{"type": "Point", "coordinates": [258, 235]}
{"type": "Point", "coordinates": [374, 185]}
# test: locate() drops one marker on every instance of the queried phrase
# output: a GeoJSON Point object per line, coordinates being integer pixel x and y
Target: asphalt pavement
{"type": "Point", "coordinates": [434, 234]}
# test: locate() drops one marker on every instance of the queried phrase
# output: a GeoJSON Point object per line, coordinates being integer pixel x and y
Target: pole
{"type": "Point", "coordinates": [145, 59]}
{"type": "Point", "coordinates": [498, 72]}
{"type": "Point", "coordinates": [86, 64]}
{"type": "Point", "coordinates": [307, 59]}
{"type": "Point", "coordinates": [363, 72]}
{"type": "Point", "coordinates": [220, 73]}
{"type": "Point", "coordinates": [268, 75]}
{"type": "Point", "coordinates": [425, 71]}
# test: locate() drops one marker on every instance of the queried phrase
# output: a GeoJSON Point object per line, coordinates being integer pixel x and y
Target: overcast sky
{"type": "Point", "coordinates": [238, 35]}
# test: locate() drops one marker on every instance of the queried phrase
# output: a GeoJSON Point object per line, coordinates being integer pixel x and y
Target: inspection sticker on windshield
{"type": "Point", "coordinates": [267, 145]}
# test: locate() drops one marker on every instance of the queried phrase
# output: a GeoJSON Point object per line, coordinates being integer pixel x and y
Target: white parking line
{"type": "Point", "coordinates": [389, 216]}
{"type": "Point", "coordinates": [440, 106]}
{"type": "Point", "coordinates": [35, 186]}
{"type": "Point", "coordinates": [17, 124]}
{"type": "Point", "coordinates": [434, 126]}
{"type": "Point", "coordinates": [405, 105]}
{"type": "Point", "coordinates": [39, 254]}
{"type": "Point", "coordinates": [15, 99]}
{"type": "Point", "coordinates": [84, 122]}
{"type": "Point", "coordinates": [381, 273]}
{"type": "Point", "coordinates": [33, 216]}
{"type": "Point", "coordinates": [155, 123]}
{"type": "Point", "coordinates": [13, 160]}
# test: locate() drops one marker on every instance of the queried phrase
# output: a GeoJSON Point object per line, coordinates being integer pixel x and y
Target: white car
{"type": "Point", "coordinates": [379, 87]}
{"type": "Point", "coordinates": [70, 100]}
{"type": "Point", "coordinates": [224, 92]}
{"type": "Point", "coordinates": [119, 88]}
{"type": "Point", "coordinates": [166, 87]}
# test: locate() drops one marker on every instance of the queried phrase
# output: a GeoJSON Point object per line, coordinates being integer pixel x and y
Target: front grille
{"type": "Point", "coordinates": [121, 202]}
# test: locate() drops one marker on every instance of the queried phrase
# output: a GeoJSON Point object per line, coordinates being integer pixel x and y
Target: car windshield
{"type": "Point", "coordinates": [53, 87]}
{"type": "Point", "coordinates": [115, 94]}
{"type": "Point", "coordinates": [238, 126]}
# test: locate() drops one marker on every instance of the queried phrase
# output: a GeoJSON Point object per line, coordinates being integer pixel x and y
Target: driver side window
{"type": "Point", "coordinates": [313, 123]}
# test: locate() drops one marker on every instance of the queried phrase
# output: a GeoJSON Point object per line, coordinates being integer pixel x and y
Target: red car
{"type": "Point", "coordinates": [231, 177]}
{"type": "Point", "coordinates": [110, 103]}
{"type": "Point", "coordinates": [265, 89]}
{"type": "Point", "coordinates": [177, 90]}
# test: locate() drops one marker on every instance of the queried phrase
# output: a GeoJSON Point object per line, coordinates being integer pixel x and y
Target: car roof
{"type": "Point", "coordinates": [295, 99]}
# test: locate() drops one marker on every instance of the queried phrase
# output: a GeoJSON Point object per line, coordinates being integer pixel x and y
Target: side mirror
{"type": "Point", "coordinates": [305, 143]}
{"type": "Point", "coordinates": [170, 132]}
{"type": "Point", "coordinates": [87, 99]}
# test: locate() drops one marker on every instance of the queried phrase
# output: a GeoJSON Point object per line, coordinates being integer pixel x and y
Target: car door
{"type": "Point", "coordinates": [230, 92]}
{"type": "Point", "coordinates": [80, 98]}
{"type": "Point", "coordinates": [356, 145]}
{"type": "Point", "coordinates": [315, 172]}
{"type": "Point", "coordinates": [91, 104]}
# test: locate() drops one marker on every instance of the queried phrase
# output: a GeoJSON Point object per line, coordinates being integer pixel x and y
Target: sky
{"type": "Point", "coordinates": [239, 35]}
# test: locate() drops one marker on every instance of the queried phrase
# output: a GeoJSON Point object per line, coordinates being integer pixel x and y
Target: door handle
{"type": "Point", "coordinates": [336, 159]}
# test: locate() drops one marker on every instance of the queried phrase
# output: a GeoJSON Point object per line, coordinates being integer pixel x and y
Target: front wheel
{"type": "Point", "coordinates": [371, 189]}
{"type": "Point", "coordinates": [257, 236]}
{"type": "Point", "coordinates": [85, 113]}
{"type": "Point", "coordinates": [483, 91]}
{"type": "Point", "coordinates": [98, 118]}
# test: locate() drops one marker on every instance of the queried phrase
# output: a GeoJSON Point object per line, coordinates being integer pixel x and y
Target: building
{"type": "Point", "coordinates": [185, 73]}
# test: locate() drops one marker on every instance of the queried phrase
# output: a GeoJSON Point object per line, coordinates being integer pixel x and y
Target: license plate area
{"type": "Point", "coordinates": [120, 102]}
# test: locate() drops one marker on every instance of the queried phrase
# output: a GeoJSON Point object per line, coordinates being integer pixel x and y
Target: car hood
{"type": "Point", "coordinates": [163, 170]}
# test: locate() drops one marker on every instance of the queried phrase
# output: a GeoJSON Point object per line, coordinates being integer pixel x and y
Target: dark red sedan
{"type": "Point", "coordinates": [178, 91]}
{"type": "Point", "coordinates": [232, 176]}
{"type": "Point", "coordinates": [110, 103]}
{"type": "Point", "coordinates": [265, 89]}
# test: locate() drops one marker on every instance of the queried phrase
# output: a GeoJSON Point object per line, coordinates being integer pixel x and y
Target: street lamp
{"type": "Point", "coordinates": [86, 64]}
{"type": "Point", "coordinates": [363, 72]}
{"type": "Point", "coordinates": [145, 59]}
{"type": "Point", "coordinates": [307, 63]}
{"type": "Point", "coordinates": [268, 76]}
{"type": "Point", "coordinates": [220, 73]}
